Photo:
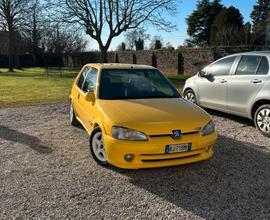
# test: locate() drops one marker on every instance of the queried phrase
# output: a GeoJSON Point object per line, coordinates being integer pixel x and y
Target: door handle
{"type": "Point", "coordinates": [223, 81]}
{"type": "Point", "coordinates": [256, 81]}
{"type": "Point", "coordinates": [79, 96]}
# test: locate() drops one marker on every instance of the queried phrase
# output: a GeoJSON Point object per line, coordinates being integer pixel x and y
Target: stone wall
{"type": "Point", "coordinates": [168, 61]}
{"type": "Point", "coordinates": [171, 62]}
{"type": "Point", "coordinates": [194, 60]}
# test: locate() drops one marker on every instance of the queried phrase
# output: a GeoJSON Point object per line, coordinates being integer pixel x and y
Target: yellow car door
{"type": "Point", "coordinates": [88, 107]}
{"type": "Point", "coordinates": [77, 92]}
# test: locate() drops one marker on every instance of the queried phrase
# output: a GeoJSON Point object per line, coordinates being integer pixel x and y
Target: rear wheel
{"type": "Point", "coordinates": [262, 119]}
{"type": "Point", "coordinates": [72, 118]}
{"type": "Point", "coordinates": [97, 147]}
{"type": "Point", "coordinates": [190, 96]}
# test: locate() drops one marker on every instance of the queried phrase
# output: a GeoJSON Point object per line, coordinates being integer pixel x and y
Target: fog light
{"type": "Point", "coordinates": [129, 157]}
{"type": "Point", "coordinates": [207, 149]}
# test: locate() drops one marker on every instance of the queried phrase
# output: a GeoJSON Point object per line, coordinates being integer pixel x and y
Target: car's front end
{"type": "Point", "coordinates": [153, 152]}
{"type": "Point", "coordinates": [156, 133]}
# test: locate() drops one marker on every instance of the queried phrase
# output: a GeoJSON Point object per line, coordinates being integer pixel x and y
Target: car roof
{"type": "Point", "coordinates": [258, 53]}
{"type": "Point", "coordinates": [119, 66]}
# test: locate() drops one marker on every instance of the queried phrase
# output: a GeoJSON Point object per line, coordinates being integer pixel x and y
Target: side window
{"type": "Point", "coordinates": [222, 67]}
{"type": "Point", "coordinates": [82, 77]}
{"type": "Point", "coordinates": [248, 65]}
{"type": "Point", "coordinates": [90, 80]}
{"type": "Point", "coordinates": [263, 68]}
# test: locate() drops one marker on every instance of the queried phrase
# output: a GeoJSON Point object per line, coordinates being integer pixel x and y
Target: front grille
{"type": "Point", "coordinates": [170, 135]}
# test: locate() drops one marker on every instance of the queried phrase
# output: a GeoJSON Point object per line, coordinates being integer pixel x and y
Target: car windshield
{"type": "Point", "coordinates": [135, 84]}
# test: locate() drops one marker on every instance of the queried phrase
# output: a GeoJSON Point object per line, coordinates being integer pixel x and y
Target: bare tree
{"type": "Point", "coordinates": [99, 17]}
{"type": "Point", "coordinates": [35, 29]}
{"type": "Point", "coordinates": [135, 35]}
{"type": "Point", "coordinates": [13, 14]}
{"type": "Point", "coordinates": [58, 40]}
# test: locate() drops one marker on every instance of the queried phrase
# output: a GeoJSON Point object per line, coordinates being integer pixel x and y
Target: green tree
{"type": "Point", "coordinates": [201, 20]}
{"type": "Point", "coordinates": [228, 28]}
{"type": "Point", "coordinates": [247, 32]}
{"type": "Point", "coordinates": [259, 16]}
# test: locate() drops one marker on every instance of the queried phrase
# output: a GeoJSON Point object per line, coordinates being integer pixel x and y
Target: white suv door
{"type": "Point", "coordinates": [213, 86]}
{"type": "Point", "coordinates": [248, 79]}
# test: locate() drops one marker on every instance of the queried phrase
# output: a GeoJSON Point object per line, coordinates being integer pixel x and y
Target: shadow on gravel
{"type": "Point", "coordinates": [244, 121]}
{"type": "Point", "coordinates": [234, 184]}
{"type": "Point", "coordinates": [31, 141]}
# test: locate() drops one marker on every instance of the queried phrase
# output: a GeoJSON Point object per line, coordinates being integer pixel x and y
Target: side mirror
{"type": "Point", "coordinates": [90, 97]}
{"type": "Point", "coordinates": [202, 73]}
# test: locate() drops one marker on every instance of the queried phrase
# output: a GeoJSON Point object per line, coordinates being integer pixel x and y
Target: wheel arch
{"type": "Point", "coordinates": [257, 104]}
{"type": "Point", "coordinates": [99, 124]}
{"type": "Point", "coordinates": [188, 88]}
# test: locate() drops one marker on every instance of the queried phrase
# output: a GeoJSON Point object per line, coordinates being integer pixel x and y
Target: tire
{"type": "Point", "coordinates": [72, 118]}
{"type": "Point", "coordinates": [97, 147]}
{"type": "Point", "coordinates": [190, 96]}
{"type": "Point", "coordinates": [262, 119]}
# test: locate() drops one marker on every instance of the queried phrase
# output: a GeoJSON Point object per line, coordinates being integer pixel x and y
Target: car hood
{"type": "Point", "coordinates": [155, 116]}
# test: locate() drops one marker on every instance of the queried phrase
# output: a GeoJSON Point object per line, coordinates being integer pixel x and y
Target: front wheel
{"type": "Point", "coordinates": [97, 147]}
{"type": "Point", "coordinates": [189, 95]}
{"type": "Point", "coordinates": [262, 119]}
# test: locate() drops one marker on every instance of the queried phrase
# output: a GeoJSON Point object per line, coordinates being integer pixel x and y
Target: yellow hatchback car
{"type": "Point", "coordinates": [137, 119]}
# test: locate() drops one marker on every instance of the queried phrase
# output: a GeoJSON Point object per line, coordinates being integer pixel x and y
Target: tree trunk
{"type": "Point", "coordinates": [104, 55]}
{"type": "Point", "coordinates": [10, 51]}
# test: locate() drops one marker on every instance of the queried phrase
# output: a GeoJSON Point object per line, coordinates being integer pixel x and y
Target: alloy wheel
{"type": "Point", "coordinates": [263, 120]}
{"type": "Point", "coordinates": [98, 147]}
{"type": "Point", "coordinates": [190, 97]}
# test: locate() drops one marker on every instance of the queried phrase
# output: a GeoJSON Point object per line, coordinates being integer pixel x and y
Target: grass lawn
{"type": "Point", "coordinates": [34, 86]}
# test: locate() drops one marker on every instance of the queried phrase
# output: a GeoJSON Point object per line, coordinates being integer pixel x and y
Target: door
{"type": "Point", "coordinates": [213, 86]}
{"type": "Point", "coordinates": [87, 107]}
{"type": "Point", "coordinates": [77, 92]}
{"type": "Point", "coordinates": [250, 75]}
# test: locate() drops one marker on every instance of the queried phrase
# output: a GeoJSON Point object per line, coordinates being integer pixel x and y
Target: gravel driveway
{"type": "Point", "coordinates": [47, 172]}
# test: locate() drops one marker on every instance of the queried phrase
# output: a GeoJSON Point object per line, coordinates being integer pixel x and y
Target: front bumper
{"type": "Point", "coordinates": [150, 154]}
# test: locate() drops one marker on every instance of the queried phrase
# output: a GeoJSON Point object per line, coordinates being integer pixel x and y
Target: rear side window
{"type": "Point", "coordinates": [248, 65]}
{"type": "Point", "coordinates": [222, 67]}
{"type": "Point", "coordinates": [90, 80]}
{"type": "Point", "coordinates": [82, 77]}
{"type": "Point", "coordinates": [263, 68]}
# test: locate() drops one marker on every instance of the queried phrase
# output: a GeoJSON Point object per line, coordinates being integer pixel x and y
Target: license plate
{"type": "Point", "coordinates": [170, 149]}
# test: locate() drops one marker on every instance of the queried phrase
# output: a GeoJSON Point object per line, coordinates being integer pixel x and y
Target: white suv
{"type": "Point", "coordinates": [237, 84]}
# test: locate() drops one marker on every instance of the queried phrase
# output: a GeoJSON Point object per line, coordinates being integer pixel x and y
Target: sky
{"type": "Point", "coordinates": [184, 9]}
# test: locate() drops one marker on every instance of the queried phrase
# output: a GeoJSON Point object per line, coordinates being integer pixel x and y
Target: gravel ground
{"type": "Point", "coordinates": [47, 173]}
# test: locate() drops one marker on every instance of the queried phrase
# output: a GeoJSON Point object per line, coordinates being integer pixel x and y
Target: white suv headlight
{"type": "Point", "coordinates": [208, 129]}
{"type": "Point", "coordinates": [128, 134]}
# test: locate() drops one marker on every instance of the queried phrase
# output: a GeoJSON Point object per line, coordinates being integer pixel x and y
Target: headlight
{"type": "Point", "coordinates": [208, 129]}
{"type": "Point", "coordinates": [128, 134]}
